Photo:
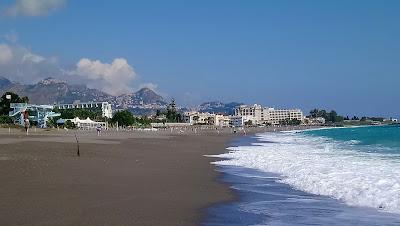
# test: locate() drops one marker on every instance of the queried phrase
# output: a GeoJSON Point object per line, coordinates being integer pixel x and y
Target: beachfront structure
{"type": "Point", "coordinates": [105, 107]}
{"type": "Point", "coordinates": [262, 115]}
{"type": "Point", "coordinates": [87, 124]}
{"type": "Point", "coordinates": [236, 121]}
{"type": "Point", "coordinates": [194, 117]}
{"type": "Point", "coordinates": [222, 120]}
{"type": "Point", "coordinates": [254, 113]}
{"type": "Point", "coordinates": [276, 116]}
{"type": "Point", "coordinates": [39, 114]}
{"type": "Point", "coordinates": [315, 121]}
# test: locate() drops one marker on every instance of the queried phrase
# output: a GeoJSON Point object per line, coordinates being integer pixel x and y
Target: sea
{"type": "Point", "coordinates": [335, 176]}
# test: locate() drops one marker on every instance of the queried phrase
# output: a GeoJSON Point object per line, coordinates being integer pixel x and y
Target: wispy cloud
{"type": "Point", "coordinates": [21, 64]}
{"type": "Point", "coordinates": [149, 85]}
{"type": "Point", "coordinates": [11, 36]}
{"type": "Point", "coordinates": [6, 54]}
{"type": "Point", "coordinates": [33, 7]}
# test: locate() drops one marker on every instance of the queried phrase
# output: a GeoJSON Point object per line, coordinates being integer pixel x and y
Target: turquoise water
{"type": "Point", "coordinates": [339, 176]}
{"type": "Point", "coordinates": [378, 139]}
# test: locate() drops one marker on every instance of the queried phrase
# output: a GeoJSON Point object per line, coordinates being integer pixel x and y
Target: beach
{"type": "Point", "coordinates": [120, 178]}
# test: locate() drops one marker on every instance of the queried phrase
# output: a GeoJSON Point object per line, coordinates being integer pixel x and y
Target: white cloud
{"type": "Point", "coordinates": [114, 78]}
{"type": "Point", "coordinates": [12, 37]}
{"type": "Point", "coordinates": [20, 64]}
{"type": "Point", "coordinates": [33, 7]}
{"type": "Point", "coordinates": [30, 57]}
{"type": "Point", "coordinates": [6, 54]}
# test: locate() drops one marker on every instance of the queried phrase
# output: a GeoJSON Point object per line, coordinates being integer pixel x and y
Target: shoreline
{"type": "Point", "coordinates": [120, 178]}
{"type": "Point", "coordinates": [262, 191]}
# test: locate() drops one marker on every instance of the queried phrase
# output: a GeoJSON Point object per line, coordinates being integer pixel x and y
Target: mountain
{"type": "Point", "coordinates": [50, 91]}
{"type": "Point", "coordinates": [143, 102]}
{"type": "Point", "coordinates": [143, 97]}
{"type": "Point", "coordinates": [4, 82]}
{"type": "Point", "coordinates": [219, 107]}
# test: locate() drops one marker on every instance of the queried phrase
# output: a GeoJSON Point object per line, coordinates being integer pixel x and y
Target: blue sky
{"type": "Point", "coordinates": [342, 55]}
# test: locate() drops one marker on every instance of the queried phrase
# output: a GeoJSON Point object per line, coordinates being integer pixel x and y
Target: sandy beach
{"type": "Point", "coordinates": [123, 178]}
{"type": "Point", "coordinates": [120, 178]}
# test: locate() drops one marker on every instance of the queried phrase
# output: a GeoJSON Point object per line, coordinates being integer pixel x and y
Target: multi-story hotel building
{"type": "Point", "coordinates": [275, 116]}
{"type": "Point", "coordinates": [253, 113]}
{"type": "Point", "coordinates": [261, 115]}
{"type": "Point", "coordinates": [105, 107]}
{"type": "Point", "coordinates": [205, 118]}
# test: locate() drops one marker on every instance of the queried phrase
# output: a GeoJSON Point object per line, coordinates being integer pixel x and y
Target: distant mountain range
{"type": "Point", "coordinates": [143, 102]}
{"type": "Point", "coordinates": [51, 91]}
{"type": "Point", "coordinates": [219, 107]}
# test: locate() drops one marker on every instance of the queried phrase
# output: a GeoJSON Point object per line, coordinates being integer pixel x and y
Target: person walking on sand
{"type": "Point", "coordinates": [26, 122]}
{"type": "Point", "coordinates": [98, 130]}
{"type": "Point", "coordinates": [26, 126]}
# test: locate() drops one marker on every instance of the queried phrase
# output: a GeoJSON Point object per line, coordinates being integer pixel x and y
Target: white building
{"type": "Point", "coordinates": [87, 124]}
{"type": "Point", "coordinates": [105, 107]}
{"type": "Point", "coordinates": [315, 121]}
{"type": "Point", "coordinates": [261, 115]}
{"type": "Point", "coordinates": [194, 117]}
{"type": "Point", "coordinates": [222, 121]}
{"type": "Point", "coordinates": [275, 116]}
{"type": "Point", "coordinates": [236, 121]}
{"type": "Point", "coordinates": [254, 113]}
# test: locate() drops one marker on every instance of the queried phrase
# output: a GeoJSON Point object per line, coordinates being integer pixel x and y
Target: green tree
{"type": "Point", "coordinates": [314, 113]}
{"type": "Point", "coordinates": [5, 103]}
{"type": "Point", "coordinates": [69, 125]}
{"type": "Point", "coordinates": [172, 114]}
{"type": "Point", "coordinates": [332, 116]}
{"type": "Point", "coordinates": [143, 121]}
{"type": "Point", "coordinates": [5, 119]}
{"type": "Point", "coordinates": [124, 118]}
{"type": "Point", "coordinates": [294, 122]}
{"type": "Point", "coordinates": [82, 113]}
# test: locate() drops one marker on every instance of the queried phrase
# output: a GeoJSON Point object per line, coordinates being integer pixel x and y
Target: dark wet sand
{"type": "Point", "coordinates": [152, 179]}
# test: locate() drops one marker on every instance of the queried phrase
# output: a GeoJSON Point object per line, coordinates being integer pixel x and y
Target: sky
{"type": "Point", "coordinates": [341, 55]}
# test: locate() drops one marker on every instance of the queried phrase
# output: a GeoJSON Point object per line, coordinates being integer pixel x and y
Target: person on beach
{"type": "Point", "coordinates": [98, 128]}
{"type": "Point", "coordinates": [26, 121]}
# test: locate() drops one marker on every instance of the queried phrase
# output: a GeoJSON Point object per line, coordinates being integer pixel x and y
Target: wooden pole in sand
{"type": "Point", "coordinates": [77, 142]}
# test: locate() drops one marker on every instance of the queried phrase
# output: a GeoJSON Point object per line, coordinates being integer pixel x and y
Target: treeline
{"type": "Point", "coordinates": [170, 115]}
{"type": "Point", "coordinates": [82, 113]}
{"type": "Point", "coordinates": [5, 106]}
{"type": "Point", "coordinates": [333, 118]}
{"type": "Point", "coordinates": [126, 118]}
{"type": "Point", "coordinates": [330, 117]}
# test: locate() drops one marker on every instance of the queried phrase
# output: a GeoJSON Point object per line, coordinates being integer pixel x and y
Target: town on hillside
{"type": "Point", "coordinates": [16, 110]}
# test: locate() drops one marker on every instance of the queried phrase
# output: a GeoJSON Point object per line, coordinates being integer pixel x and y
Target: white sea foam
{"type": "Point", "coordinates": [324, 167]}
